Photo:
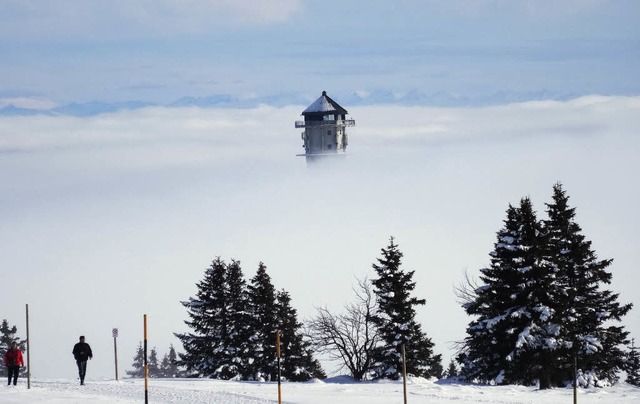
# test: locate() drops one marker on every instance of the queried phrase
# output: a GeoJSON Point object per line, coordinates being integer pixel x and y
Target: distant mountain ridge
{"type": "Point", "coordinates": [376, 97]}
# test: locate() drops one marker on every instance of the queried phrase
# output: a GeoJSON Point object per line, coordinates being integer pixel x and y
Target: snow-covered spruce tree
{"type": "Point", "coordinates": [239, 325]}
{"type": "Point", "coordinates": [208, 323]}
{"type": "Point", "coordinates": [485, 349]}
{"type": "Point", "coordinates": [164, 363]}
{"type": "Point", "coordinates": [452, 370]}
{"type": "Point", "coordinates": [587, 312]}
{"type": "Point", "coordinates": [169, 365]}
{"type": "Point", "coordinates": [153, 364]}
{"type": "Point", "coordinates": [239, 328]}
{"type": "Point", "coordinates": [7, 337]}
{"type": "Point", "coordinates": [633, 365]}
{"type": "Point", "coordinates": [513, 336]}
{"type": "Point", "coordinates": [396, 322]}
{"type": "Point", "coordinates": [209, 348]}
{"type": "Point", "coordinates": [541, 304]}
{"type": "Point", "coordinates": [137, 367]}
{"type": "Point", "coordinates": [535, 353]}
{"type": "Point", "coordinates": [263, 325]}
{"type": "Point", "coordinates": [297, 363]}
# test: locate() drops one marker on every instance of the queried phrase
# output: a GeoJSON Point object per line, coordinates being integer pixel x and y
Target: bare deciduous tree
{"type": "Point", "coordinates": [349, 338]}
{"type": "Point", "coordinates": [466, 291]}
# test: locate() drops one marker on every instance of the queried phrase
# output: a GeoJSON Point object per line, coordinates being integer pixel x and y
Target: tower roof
{"type": "Point", "coordinates": [324, 105]}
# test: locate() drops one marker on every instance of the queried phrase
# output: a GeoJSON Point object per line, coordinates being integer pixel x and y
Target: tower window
{"type": "Point", "coordinates": [329, 133]}
{"type": "Point", "coordinates": [329, 146]}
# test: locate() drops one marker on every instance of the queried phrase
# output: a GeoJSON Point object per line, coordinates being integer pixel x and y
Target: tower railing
{"type": "Point", "coordinates": [341, 122]}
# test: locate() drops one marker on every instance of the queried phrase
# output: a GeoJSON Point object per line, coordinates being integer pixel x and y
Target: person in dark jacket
{"type": "Point", "coordinates": [82, 353]}
{"type": "Point", "coordinates": [13, 360]}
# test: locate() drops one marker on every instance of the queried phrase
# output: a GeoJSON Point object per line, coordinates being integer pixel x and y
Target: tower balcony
{"type": "Point", "coordinates": [316, 124]}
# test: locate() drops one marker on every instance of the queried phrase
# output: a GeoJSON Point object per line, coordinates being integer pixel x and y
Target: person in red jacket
{"type": "Point", "coordinates": [13, 360]}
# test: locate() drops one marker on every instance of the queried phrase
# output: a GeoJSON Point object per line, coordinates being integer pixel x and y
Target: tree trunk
{"type": "Point", "coordinates": [545, 378]}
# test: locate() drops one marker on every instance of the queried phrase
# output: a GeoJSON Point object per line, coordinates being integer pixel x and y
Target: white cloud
{"type": "Point", "coordinates": [523, 8]}
{"type": "Point", "coordinates": [198, 15]}
{"type": "Point", "coordinates": [186, 134]}
{"type": "Point", "coordinates": [27, 102]}
{"type": "Point", "coordinates": [42, 19]}
{"type": "Point", "coordinates": [585, 116]}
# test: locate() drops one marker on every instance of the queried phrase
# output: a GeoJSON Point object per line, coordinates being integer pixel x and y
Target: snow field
{"type": "Point", "coordinates": [340, 390]}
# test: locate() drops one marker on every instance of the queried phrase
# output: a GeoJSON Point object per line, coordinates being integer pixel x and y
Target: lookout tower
{"type": "Point", "coordinates": [324, 129]}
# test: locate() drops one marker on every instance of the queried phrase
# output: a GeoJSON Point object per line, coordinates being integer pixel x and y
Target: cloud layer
{"type": "Point", "coordinates": [267, 131]}
{"type": "Point", "coordinates": [112, 216]}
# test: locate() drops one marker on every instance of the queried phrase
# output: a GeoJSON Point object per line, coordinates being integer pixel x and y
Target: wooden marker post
{"type": "Point", "coordinates": [146, 365]}
{"type": "Point", "coordinates": [404, 374]}
{"type": "Point", "coordinates": [575, 379]}
{"type": "Point", "coordinates": [28, 352]}
{"type": "Point", "coordinates": [278, 357]}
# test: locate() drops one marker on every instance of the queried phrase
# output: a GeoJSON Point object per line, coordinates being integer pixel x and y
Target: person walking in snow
{"type": "Point", "coordinates": [82, 353]}
{"type": "Point", "coordinates": [13, 360]}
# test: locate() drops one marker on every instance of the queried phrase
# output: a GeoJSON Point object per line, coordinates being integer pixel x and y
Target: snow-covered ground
{"type": "Point", "coordinates": [338, 390]}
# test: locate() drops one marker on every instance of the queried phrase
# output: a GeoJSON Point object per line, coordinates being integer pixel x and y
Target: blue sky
{"type": "Point", "coordinates": [107, 216]}
{"type": "Point", "coordinates": [161, 51]}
